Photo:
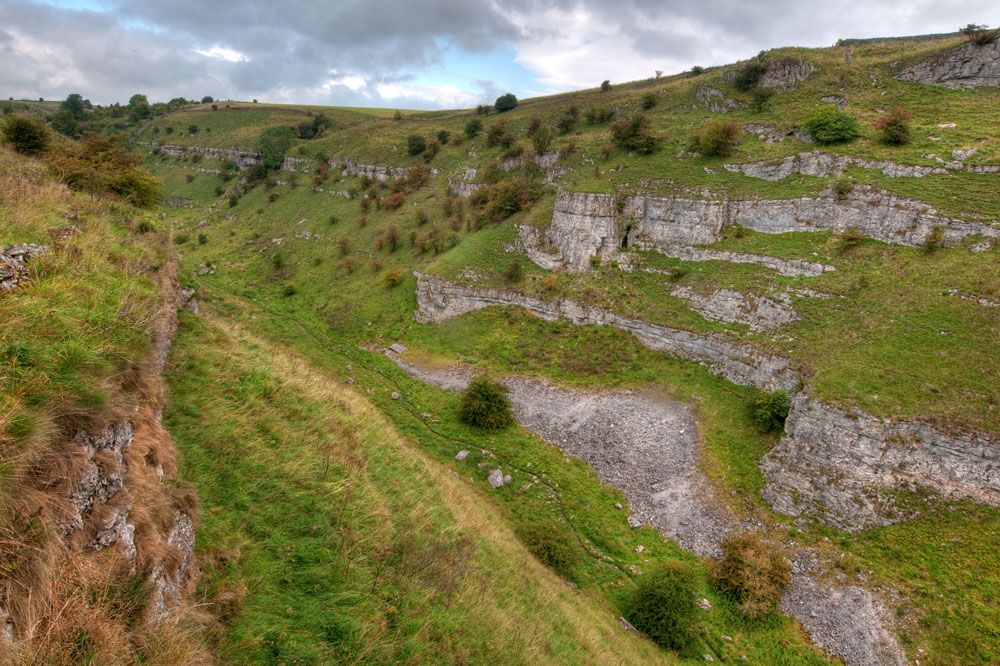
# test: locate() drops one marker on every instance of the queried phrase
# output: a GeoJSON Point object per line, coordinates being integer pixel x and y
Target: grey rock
{"type": "Point", "coordinates": [633, 522]}
{"type": "Point", "coordinates": [816, 163]}
{"type": "Point", "coordinates": [14, 263]}
{"type": "Point", "coordinates": [843, 465]}
{"type": "Point", "coordinates": [397, 348]}
{"type": "Point", "coordinates": [784, 73]}
{"type": "Point", "coordinates": [102, 475]}
{"type": "Point", "coordinates": [967, 66]}
{"type": "Point", "coordinates": [496, 478]}
{"type": "Point", "coordinates": [760, 313]}
{"type": "Point", "coordinates": [789, 267]}
{"type": "Point", "coordinates": [462, 455]}
{"type": "Point", "coordinates": [168, 583]}
{"type": "Point", "coordinates": [717, 101]}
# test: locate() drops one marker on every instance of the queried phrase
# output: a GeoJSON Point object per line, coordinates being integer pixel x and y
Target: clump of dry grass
{"type": "Point", "coordinates": [753, 572]}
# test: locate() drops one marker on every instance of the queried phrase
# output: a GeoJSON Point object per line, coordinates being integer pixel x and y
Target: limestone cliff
{"type": "Point", "coordinates": [968, 66]}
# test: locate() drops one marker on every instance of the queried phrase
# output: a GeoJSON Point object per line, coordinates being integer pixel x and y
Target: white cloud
{"type": "Point", "coordinates": [222, 53]}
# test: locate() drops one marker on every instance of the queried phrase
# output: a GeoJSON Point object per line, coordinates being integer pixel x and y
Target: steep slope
{"type": "Point", "coordinates": [97, 530]}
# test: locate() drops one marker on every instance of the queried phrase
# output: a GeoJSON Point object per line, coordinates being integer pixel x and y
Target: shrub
{"type": "Point", "coordinates": [202, 239]}
{"type": "Point", "coordinates": [697, 70]}
{"type": "Point", "coordinates": [842, 187]}
{"type": "Point", "coordinates": [443, 136]}
{"type": "Point", "coordinates": [102, 164]}
{"type": "Point", "coordinates": [501, 200]}
{"type": "Point", "coordinates": [568, 120]}
{"type": "Point", "coordinates": [717, 138]}
{"type": "Point", "coordinates": [749, 75]}
{"type": "Point", "coordinates": [181, 238]}
{"type": "Point", "coordinates": [849, 239]}
{"type": "Point", "coordinates": [348, 264]}
{"type": "Point", "coordinates": [272, 197]}
{"type": "Point", "coordinates": [394, 201]}
{"type": "Point", "coordinates": [473, 128]}
{"type": "Point", "coordinates": [485, 405]}
{"type": "Point", "coordinates": [831, 125]}
{"type": "Point", "coordinates": [752, 573]}
{"type": "Point", "coordinates": [505, 102]}
{"type": "Point", "coordinates": [541, 139]}
{"type": "Point", "coordinates": [769, 411]}
{"type": "Point", "coordinates": [980, 34]}
{"type": "Point", "coordinates": [514, 272]}
{"type": "Point", "coordinates": [934, 240]}
{"type": "Point", "coordinates": [648, 101]}
{"type": "Point", "coordinates": [533, 126]}
{"type": "Point", "coordinates": [605, 85]}
{"type": "Point", "coordinates": [421, 217]}
{"type": "Point", "coordinates": [415, 144]}
{"type": "Point", "coordinates": [496, 133]}
{"type": "Point", "coordinates": [289, 289]}
{"type": "Point", "coordinates": [233, 200]}
{"type": "Point", "coordinates": [483, 110]}
{"type": "Point", "coordinates": [189, 177]}
{"type": "Point", "coordinates": [596, 116]}
{"type": "Point", "coordinates": [895, 127]}
{"type": "Point", "coordinates": [393, 277]}
{"type": "Point", "coordinates": [25, 135]}
{"type": "Point", "coordinates": [390, 237]}
{"type": "Point", "coordinates": [344, 245]}
{"type": "Point", "coordinates": [634, 134]}
{"type": "Point", "coordinates": [664, 606]}
{"type": "Point", "coordinates": [553, 544]}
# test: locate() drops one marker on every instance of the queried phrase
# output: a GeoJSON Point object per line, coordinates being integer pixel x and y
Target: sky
{"type": "Point", "coordinates": [421, 54]}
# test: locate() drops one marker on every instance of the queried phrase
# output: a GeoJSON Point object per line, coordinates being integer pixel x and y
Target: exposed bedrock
{"type": "Point", "coordinates": [439, 300]}
{"type": "Point", "coordinates": [760, 313]}
{"type": "Point", "coordinates": [845, 466]}
{"type": "Point", "coordinates": [243, 158]}
{"type": "Point", "coordinates": [789, 267]}
{"type": "Point", "coordinates": [968, 66]}
{"type": "Point", "coordinates": [815, 163]}
{"type": "Point", "coordinates": [586, 225]}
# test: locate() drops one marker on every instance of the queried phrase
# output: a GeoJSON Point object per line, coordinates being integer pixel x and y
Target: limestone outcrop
{"type": "Point", "coordinates": [789, 267]}
{"type": "Point", "coordinates": [596, 225]}
{"type": "Point", "coordinates": [243, 158]}
{"type": "Point", "coordinates": [439, 300]}
{"type": "Point", "coordinates": [967, 66]}
{"type": "Point", "coordinates": [14, 264]}
{"type": "Point", "coordinates": [784, 73]}
{"type": "Point", "coordinates": [845, 466]}
{"type": "Point", "coordinates": [816, 163]}
{"type": "Point", "coordinates": [760, 313]}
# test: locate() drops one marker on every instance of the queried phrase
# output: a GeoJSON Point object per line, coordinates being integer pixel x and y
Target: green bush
{"type": "Point", "coordinates": [716, 138]}
{"type": "Point", "coordinates": [769, 411]}
{"type": "Point", "coordinates": [934, 240]}
{"type": "Point", "coordinates": [541, 139]}
{"type": "Point", "coordinates": [752, 573]}
{"type": "Point", "coordinates": [181, 238]}
{"type": "Point", "coordinates": [760, 101]}
{"type": "Point", "coordinates": [553, 544]}
{"type": "Point", "coordinates": [274, 143]}
{"type": "Point", "coordinates": [393, 277]}
{"type": "Point", "coordinates": [895, 127]}
{"type": "Point", "coordinates": [605, 85]}
{"type": "Point", "coordinates": [505, 102]}
{"type": "Point", "coordinates": [473, 128]}
{"type": "Point", "coordinates": [749, 75]}
{"type": "Point", "coordinates": [415, 144]}
{"type": "Point", "coordinates": [664, 606]}
{"type": "Point", "coordinates": [830, 125]}
{"type": "Point", "coordinates": [648, 101]}
{"type": "Point", "coordinates": [634, 133]}
{"type": "Point", "coordinates": [514, 272]}
{"type": "Point", "coordinates": [485, 405]}
{"type": "Point", "coordinates": [289, 289]}
{"type": "Point", "coordinates": [25, 135]}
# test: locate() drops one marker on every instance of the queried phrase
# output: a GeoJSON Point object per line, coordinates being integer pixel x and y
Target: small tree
{"type": "Point", "coordinates": [138, 107]}
{"type": "Point", "coordinates": [769, 411]}
{"type": "Point", "coordinates": [664, 606]}
{"type": "Point", "coordinates": [980, 34]}
{"type": "Point", "coordinates": [830, 125]}
{"type": "Point", "coordinates": [25, 135]}
{"type": "Point", "coordinates": [207, 99]}
{"type": "Point", "coordinates": [485, 405]}
{"type": "Point", "coordinates": [274, 143]}
{"type": "Point", "coordinates": [75, 105]}
{"type": "Point", "coordinates": [895, 127]}
{"type": "Point", "coordinates": [505, 102]}
{"type": "Point", "coordinates": [716, 138]}
{"type": "Point", "coordinates": [749, 75]}
{"type": "Point", "coordinates": [605, 85]}
{"type": "Point", "coordinates": [697, 70]}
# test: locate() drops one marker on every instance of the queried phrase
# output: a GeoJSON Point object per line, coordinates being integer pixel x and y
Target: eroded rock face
{"type": "Point", "coordinates": [760, 313]}
{"type": "Point", "coordinates": [167, 584]}
{"type": "Point", "coordinates": [843, 465]}
{"type": "Point", "coordinates": [815, 163]}
{"type": "Point", "coordinates": [14, 263]}
{"type": "Point", "coordinates": [102, 474]}
{"type": "Point", "coordinates": [439, 300]}
{"type": "Point", "coordinates": [244, 159]}
{"type": "Point", "coordinates": [717, 101]}
{"type": "Point", "coordinates": [784, 73]}
{"type": "Point", "coordinates": [789, 267]}
{"type": "Point", "coordinates": [583, 226]}
{"type": "Point", "coordinates": [968, 66]}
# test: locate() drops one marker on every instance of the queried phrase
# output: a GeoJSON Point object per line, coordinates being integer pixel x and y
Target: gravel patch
{"type": "Point", "coordinates": [647, 447]}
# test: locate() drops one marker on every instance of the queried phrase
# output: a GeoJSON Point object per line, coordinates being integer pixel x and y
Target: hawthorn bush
{"type": "Point", "coordinates": [485, 405]}
{"type": "Point", "coordinates": [634, 133]}
{"type": "Point", "coordinates": [895, 127]}
{"type": "Point", "coordinates": [831, 125]}
{"type": "Point", "coordinates": [716, 138]}
{"type": "Point", "coordinates": [25, 135]}
{"type": "Point", "coordinates": [664, 606]}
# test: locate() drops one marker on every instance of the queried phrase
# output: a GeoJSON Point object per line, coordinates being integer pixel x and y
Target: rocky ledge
{"type": "Point", "coordinates": [816, 163]}
{"type": "Point", "coordinates": [846, 466]}
{"type": "Point", "coordinates": [439, 300]}
{"type": "Point", "coordinates": [760, 313]}
{"type": "Point", "coordinates": [968, 66]}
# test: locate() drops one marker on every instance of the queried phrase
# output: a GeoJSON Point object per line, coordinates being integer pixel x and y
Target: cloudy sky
{"type": "Point", "coordinates": [416, 54]}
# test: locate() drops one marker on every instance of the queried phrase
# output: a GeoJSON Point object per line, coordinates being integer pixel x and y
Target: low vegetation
{"type": "Point", "coordinates": [664, 606]}
{"type": "Point", "coordinates": [754, 573]}
{"type": "Point", "coordinates": [485, 405]}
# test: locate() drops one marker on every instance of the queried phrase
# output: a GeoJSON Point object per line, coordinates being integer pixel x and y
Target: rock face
{"type": "Point", "coordinates": [815, 163]}
{"type": "Point", "coordinates": [168, 582]}
{"type": "Point", "coordinates": [594, 225]}
{"type": "Point", "coordinates": [716, 101]}
{"type": "Point", "coordinates": [789, 267]}
{"type": "Point", "coordinates": [760, 313]}
{"type": "Point", "coordinates": [243, 158]}
{"type": "Point", "coordinates": [784, 73]}
{"type": "Point", "coordinates": [968, 66]}
{"type": "Point", "coordinates": [14, 264]}
{"type": "Point", "coordinates": [843, 465]}
{"type": "Point", "coordinates": [439, 300]}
